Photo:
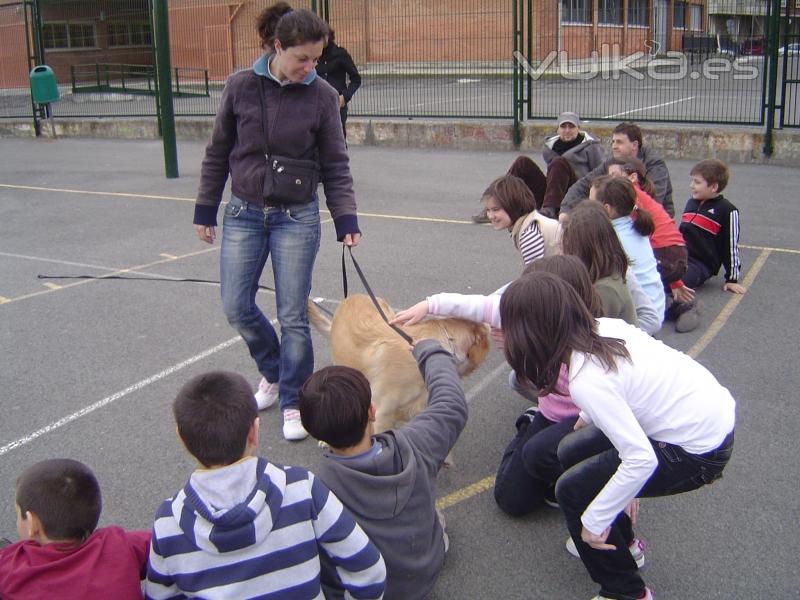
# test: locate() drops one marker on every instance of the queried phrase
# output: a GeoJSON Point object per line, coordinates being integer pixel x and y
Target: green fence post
{"type": "Point", "coordinates": [167, 111]}
{"type": "Point", "coordinates": [772, 88]}
{"type": "Point", "coordinates": [516, 134]}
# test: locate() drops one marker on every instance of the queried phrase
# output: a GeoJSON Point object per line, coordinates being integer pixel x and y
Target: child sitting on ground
{"type": "Point", "coordinates": [61, 554]}
{"type": "Point", "coordinates": [589, 235]}
{"type": "Point", "coordinates": [619, 199]}
{"type": "Point", "coordinates": [388, 480]}
{"type": "Point", "coordinates": [710, 226]}
{"type": "Point", "coordinates": [510, 206]}
{"type": "Point", "coordinates": [667, 242]}
{"type": "Point", "coordinates": [242, 526]}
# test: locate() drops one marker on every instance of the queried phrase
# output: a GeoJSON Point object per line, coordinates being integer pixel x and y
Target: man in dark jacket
{"type": "Point", "coordinates": [336, 66]}
{"type": "Point", "coordinates": [387, 480]}
{"type": "Point", "coordinates": [626, 142]}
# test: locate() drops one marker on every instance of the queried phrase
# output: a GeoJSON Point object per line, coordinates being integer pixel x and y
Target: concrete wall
{"type": "Point", "coordinates": [733, 144]}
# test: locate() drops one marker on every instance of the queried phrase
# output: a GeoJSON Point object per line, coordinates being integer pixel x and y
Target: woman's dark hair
{"type": "Point", "coordinates": [64, 495]}
{"type": "Point", "coordinates": [573, 271]}
{"type": "Point", "coordinates": [634, 165]}
{"type": "Point", "coordinates": [544, 322]}
{"type": "Point", "coordinates": [589, 235]}
{"type": "Point", "coordinates": [267, 23]}
{"type": "Point", "coordinates": [513, 196]}
{"type": "Point", "coordinates": [300, 27]}
{"type": "Point", "coordinates": [214, 412]}
{"type": "Point", "coordinates": [334, 406]}
{"type": "Point", "coordinates": [619, 194]}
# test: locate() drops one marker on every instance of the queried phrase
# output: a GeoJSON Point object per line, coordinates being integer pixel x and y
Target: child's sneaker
{"type": "Point", "coordinates": [550, 498]}
{"type": "Point", "coordinates": [648, 595]}
{"type": "Point", "coordinates": [292, 426]}
{"type": "Point", "coordinates": [526, 418]}
{"type": "Point", "coordinates": [636, 548]}
{"type": "Point", "coordinates": [267, 394]}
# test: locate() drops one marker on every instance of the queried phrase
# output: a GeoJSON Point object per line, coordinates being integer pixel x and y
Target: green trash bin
{"type": "Point", "coordinates": [44, 89]}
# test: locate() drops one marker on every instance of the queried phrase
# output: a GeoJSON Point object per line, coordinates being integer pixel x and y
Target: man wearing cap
{"type": "Point", "coordinates": [569, 155]}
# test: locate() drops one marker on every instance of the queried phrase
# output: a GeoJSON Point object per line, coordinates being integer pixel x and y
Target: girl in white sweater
{"type": "Point", "coordinates": [653, 422]}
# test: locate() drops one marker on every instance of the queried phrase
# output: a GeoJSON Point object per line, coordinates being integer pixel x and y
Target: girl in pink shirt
{"type": "Point", "coordinates": [529, 467]}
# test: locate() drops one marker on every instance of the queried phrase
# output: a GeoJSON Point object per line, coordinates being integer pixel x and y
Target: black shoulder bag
{"type": "Point", "coordinates": [287, 180]}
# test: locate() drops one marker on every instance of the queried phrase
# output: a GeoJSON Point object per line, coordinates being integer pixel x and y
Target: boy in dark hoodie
{"type": "Point", "coordinates": [243, 527]}
{"type": "Point", "coordinates": [387, 480]}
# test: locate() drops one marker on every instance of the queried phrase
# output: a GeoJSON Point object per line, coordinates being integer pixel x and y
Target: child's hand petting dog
{"type": "Point", "coordinates": [411, 315]}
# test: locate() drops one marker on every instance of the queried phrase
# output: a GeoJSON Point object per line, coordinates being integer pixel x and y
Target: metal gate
{"type": "Point", "coordinates": [789, 69]}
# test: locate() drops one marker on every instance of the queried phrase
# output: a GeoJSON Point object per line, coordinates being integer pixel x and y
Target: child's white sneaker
{"type": "Point", "coordinates": [636, 548]}
{"type": "Point", "coordinates": [267, 394]}
{"type": "Point", "coordinates": [292, 426]}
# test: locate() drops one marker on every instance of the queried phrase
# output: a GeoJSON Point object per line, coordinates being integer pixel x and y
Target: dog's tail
{"type": "Point", "coordinates": [318, 320]}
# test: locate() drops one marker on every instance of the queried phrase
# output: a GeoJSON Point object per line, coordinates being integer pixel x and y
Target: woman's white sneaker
{"type": "Point", "coordinates": [292, 426]}
{"type": "Point", "coordinates": [267, 394]}
{"type": "Point", "coordinates": [636, 548]}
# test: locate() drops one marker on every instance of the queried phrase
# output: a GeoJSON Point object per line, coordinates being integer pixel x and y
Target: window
{"type": "Point", "coordinates": [68, 35]}
{"type": "Point", "coordinates": [576, 11]}
{"type": "Point", "coordinates": [129, 34]}
{"type": "Point", "coordinates": [696, 17]}
{"type": "Point", "coordinates": [638, 13]}
{"type": "Point", "coordinates": [610, 12]}
{"type": "Point", "coordinates": [679, 15]}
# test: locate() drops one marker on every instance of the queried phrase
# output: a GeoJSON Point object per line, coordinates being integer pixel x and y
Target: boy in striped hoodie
{"type": "Point", "coordinates": [243, 527]}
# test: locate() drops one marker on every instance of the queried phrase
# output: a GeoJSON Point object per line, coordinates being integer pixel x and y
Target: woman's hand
{"type": "Point", "coordinates": [207, 233]}
{"type": "Point", "coordinates": [579, 424]}
{"type": "Point", "coordinates": [351, 239]}
{"type": "Point", "coordinates": [598, 542]}
{"type": "Point", "coordinates": [411, 315]}
{"type": "Point", "coordinates": [632, 510]}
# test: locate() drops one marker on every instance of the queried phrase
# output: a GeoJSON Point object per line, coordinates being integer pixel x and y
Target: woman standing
{"type": "Point", "coordinates": [276, 119]}
{"type": "Point", "coordinates": [653, 422]}
{"type": "Point", "coordinates": [337, 68]}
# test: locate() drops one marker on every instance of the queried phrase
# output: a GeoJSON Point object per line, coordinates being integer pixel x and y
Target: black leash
{"type": "Point", "coordinates": [399, 331]}
{"type": "Point", "coordinates": [167, 279]}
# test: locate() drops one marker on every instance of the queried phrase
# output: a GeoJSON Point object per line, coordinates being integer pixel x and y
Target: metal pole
{"type": "Point", "coordinates": [161, 37]}
{"type": "Point", "coordinates": [516, 134]}
{"type": "Point", "coordinates": [772, 88]}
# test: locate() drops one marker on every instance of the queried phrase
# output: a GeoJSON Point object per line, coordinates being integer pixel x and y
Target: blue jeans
{"type": "Point", "coordinates": [290, 235]}
{"type": "Point", "coordinates": [590, 460]}
{"type": "Point", "coordinates": [530, 466]}
{"type": "Point", "coordinates": [696, 273]}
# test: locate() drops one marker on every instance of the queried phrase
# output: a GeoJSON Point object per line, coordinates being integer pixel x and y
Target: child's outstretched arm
{"type": "Point", "coordinates": [473, 307]}
{"type": "Point", "coordinates": [730, 255]}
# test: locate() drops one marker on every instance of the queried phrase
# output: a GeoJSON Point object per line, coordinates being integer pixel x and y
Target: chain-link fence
{"type": "Point", "coordinates": [701, 61]}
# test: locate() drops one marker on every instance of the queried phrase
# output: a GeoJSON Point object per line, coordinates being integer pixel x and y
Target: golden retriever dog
{"type": "Point", "coordinates": [361, 339]}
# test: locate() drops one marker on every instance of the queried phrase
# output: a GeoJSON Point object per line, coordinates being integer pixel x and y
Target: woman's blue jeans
{"type": "Point", "coordinates": [590, 460]}
{"type": "Point", "coordinates": [290, 236]}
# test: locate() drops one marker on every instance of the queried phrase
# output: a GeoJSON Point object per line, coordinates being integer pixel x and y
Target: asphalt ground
{"type": "Point", "coordinates": [90, 367]}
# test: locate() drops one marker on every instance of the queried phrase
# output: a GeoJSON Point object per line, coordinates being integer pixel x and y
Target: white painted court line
{"type": "Point", "coordinates": [627, 112]}
{"type": "Point", "coordinates": [474, 391]}
{"type": "Point", "coordinates": [116, 396]}
{"type": "Point", "coordinates": [58, 262]}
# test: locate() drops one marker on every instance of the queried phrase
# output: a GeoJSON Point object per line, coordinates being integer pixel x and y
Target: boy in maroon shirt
{"type": "Point", "coordinates": [60, 554]}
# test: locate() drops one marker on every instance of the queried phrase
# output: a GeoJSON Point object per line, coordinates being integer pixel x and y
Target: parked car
{"type": "Point", "coordinates": [752, 46]}
{"type": "Point", "coordinates": [790, 49]}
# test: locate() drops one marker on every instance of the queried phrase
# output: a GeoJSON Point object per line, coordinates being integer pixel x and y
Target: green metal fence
{"type": "Point", "coordinates": [693, 61]}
